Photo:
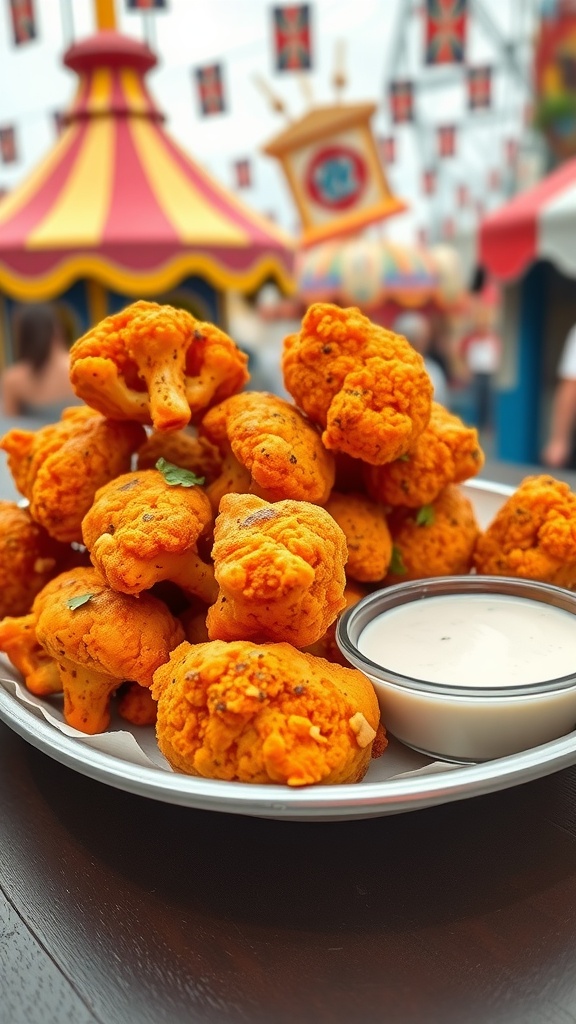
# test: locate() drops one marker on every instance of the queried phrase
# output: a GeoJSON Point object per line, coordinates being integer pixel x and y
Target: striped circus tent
{"type": "Point", "coordinates": [118, 202]}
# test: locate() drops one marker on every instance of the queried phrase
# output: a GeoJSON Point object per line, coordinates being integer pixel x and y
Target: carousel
{"type": "Point", "coordinates": [118, 210]}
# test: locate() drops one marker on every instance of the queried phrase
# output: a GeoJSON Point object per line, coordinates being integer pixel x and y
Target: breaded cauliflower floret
{"type": "Point", "coordinates": [181, 449]}
{"type": "Point", "coordinates": [141, 530]}
{"type": "Point", "coordinates": [327, 646]}
{"type": "Point", "coordinates": [367, 535]}
{"type": "Point", "coordinates": [136, 704]}
{"type": "Point", "coordinates": [19, 643]}
{"type": "Point", "coordinates": [60, 467]}
{"type": "Point", "coordinates": [434, 540]}
{"type": "Point", "coordinates": [447, 452]}
{"type": "Point", "coordinates": [264, 714]}
{"type": "Point", "coordinates": [280, 569]}
{"type": "Point", "coordinates": [155, 364]}
{"type": "Point", "coordinates": [366, 386]}
{"type": "Point", "coordinates": [269, 449]}
{"type": "Point", "coordinates": [29, 557]}
{"type": "Point", "coordinates": [533, 535]}
{"type": "Point", "coordinates": [99, 640]}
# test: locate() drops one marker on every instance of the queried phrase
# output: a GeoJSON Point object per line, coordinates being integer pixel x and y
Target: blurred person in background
{"type": "Point", "coordinates": [560, 450]}
{"type": "Point", "coordinates": [417, 329]}
{"type": "Point", "coordinates": [481, 349]}
{"type": "Point", "coordinates": [37, 385]}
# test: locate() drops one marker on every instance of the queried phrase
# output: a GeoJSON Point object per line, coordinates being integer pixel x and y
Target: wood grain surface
{"type": "Point", "coordinates": [122, 910]}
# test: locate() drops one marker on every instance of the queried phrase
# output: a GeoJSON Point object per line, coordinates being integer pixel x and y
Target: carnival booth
{"type": "Point", "coordinates": [117, 210]}
{"type": "Point", "coordinates": [530, 246]}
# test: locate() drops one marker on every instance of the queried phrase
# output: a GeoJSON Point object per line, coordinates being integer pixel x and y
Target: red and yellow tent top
{"type": "Point", "coordinates": [119, 202]}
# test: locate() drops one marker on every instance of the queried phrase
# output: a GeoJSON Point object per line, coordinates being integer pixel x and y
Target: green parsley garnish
{"type": "Point", "coordinates": [77, 602]}
{"type": "Point", "coordinates": [176, 476]}
{"type": "Point", "coordinates": [403, 458]}
{"type": "Point", "coordinates": [425, 516]}
{"type": "Point", "coordinates": [396, 562]}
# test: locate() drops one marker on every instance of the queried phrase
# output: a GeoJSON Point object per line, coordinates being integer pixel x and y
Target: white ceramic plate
{"type": "Point", "coordinates": [415, 783]}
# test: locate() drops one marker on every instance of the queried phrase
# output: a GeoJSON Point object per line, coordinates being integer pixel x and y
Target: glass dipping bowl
{"type": "Point", "coordinates": [455, 721]}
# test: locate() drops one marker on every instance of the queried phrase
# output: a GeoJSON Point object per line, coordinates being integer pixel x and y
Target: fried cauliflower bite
{"type": "Point", "coordinates": [99, 640]}
{"type": "Point", "coordinates": [533, 535]}
{"type": "Point", "coordinates": [19, 643]}
{"type": "Point", "coordinates": [181, 449]}
{"type": "Point", "coordinates": [326, 646]}
{"type": "Point", "coordinates": [155, 364]}
{"type": "Point", "coordinates": [367, 535]}
{"type": "Point", "coordinates": [280, 569]}
{"type": "Point", "coordinates": [136, 704]}
{"type": "Point", "coordinates": [446, 452]}
{"type": "Point", "coordinates": [435, 540]}
{"type": "Point", "coordinates": [60, 467]}
{"type": "Point", "coordinates": [29, 557]}
{"type": "Point", "coordinates": [264, 714]}
{"type": "Point", "coordinates": [141, 530]}
{"type": "Point", "coordinates": [269, 449]}
{"type": "Point", "coordinates": [366, 386]}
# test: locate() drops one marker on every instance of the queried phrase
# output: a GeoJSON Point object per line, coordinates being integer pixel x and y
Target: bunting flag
{"type": "Point", "coordinates": [387, 149]}
{"type": "Point", "coordinates": [445, 31]}
{"type": "Point", "coordinates": [462, 196]}
{"type": "Point", "coordinates": [479, 88]}
{"type": "Point", "coordinates": [511, 151]}
{"type": "Point", "coordinates": [429, 183]}
{"type": "Point", "coordinates": [146, 5]}
{"type": "Point", "coordinates": [8, 151]}
{"type": "Point", "coordinates": [210, 89]}
{"type": "Point", "coordinates": [243, 173]}
{"type": "Point", "coordinates": [23, 21]}
{"type": "Point", "coordinates": [402, 102]}
{"type": "Point", "coordinates": [292, 38]}
{"type": "Point", "coordinates": [446, 140]}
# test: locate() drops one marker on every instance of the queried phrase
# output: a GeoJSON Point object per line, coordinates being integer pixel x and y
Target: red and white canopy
{"type": "Point", "coordinates": [539, 224]}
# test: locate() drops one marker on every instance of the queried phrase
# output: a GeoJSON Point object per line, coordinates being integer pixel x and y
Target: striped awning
{"type": "Point", "coordinates": [117, 200]}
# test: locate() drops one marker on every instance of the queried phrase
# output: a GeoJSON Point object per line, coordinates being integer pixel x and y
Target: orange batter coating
{"type": "Point", "coordinates": [19, 643]}
{"type": "Point", "coordinates": [435, 540]}
{"type": "Point", "coordinates": [141, 530]}
{"type": "Point", "coordinates": [269, 449]}
{"type": "Point", "coordinates": [264, 714]}
{"type": "Point", "coordinates": [280, 568]}
{"type": "Point", "coordinates": [155, 364]}
{"type": "Point", "coordinates": [326, 646]}
{"type": "Point", "coordinates": [367, 535]}
{"type": "Point", "coordinates": [181, 449]}
{"type": "Point", "coordinates": [29, 557]}
{"type": "Point", "coordinates": [136, 704]}
{"type": "Point", "coordinates": [60, 467]}
{"type": "Point", "coordinates": [366, 386]}
{"type": "Point", "coordinates": [447, 452]}
{"type": "Point", "coordinates": [533, 535]}
{"type": "Point", "coordinates": [106, 640]}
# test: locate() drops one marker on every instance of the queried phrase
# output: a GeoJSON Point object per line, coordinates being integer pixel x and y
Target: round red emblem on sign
{"type": "Point", "coordinates": [336, 177]}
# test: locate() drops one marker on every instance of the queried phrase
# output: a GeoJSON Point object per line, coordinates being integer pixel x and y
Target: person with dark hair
{"type": "Point", "coordinates": [37, 385]}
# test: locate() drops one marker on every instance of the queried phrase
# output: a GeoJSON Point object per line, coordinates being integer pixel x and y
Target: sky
{"type": "Point", "coordinates": [379, 40]}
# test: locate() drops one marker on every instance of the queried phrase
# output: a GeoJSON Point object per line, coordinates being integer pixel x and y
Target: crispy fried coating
{"type": "Point", "coordinates": [155, 364]}
{"type": "Point", "coordinates": [533, 535]}
{"type": "Point", "coordinates": [435, 540]}
{"type": "Point", "coordinates": [109, 639]}
{"type": "Point", "coordinates": [60, 467]}
{"type": "Point", "coordinates": [366, 386]}
{"type": "Point", "coordinates": [280, 569]}
{"type": "Point", "coordinates": [29, 557]}
{"type": "Point", "coordinates": [446, 452]}
{"type": "Point", "coordinates": [368, 538]}
{"type": "Point", "coordinates": [140, 530]}
{"type": "Point", "coordinates": [19, 643]}
{"type": "Point", "coordinates": [181, 449]}
{"type": "Point", "coordinates": [136, 704]}
{"type": "Point", "coordinates": [264, 714]}
{"type": "Point", "coordinates": [270, 449]}
{"type": "Point", "coordinates": [326, 646]}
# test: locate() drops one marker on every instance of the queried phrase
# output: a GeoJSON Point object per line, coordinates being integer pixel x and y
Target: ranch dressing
{"type": "Point", "coordinates": [477, 640]}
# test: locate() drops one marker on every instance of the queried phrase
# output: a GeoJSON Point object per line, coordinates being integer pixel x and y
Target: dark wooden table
{"type": "Point", "coordinates": [120, 910]}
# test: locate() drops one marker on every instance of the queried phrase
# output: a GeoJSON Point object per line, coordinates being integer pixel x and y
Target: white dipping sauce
{"type": "Point", "coordinates": [473, 640]}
